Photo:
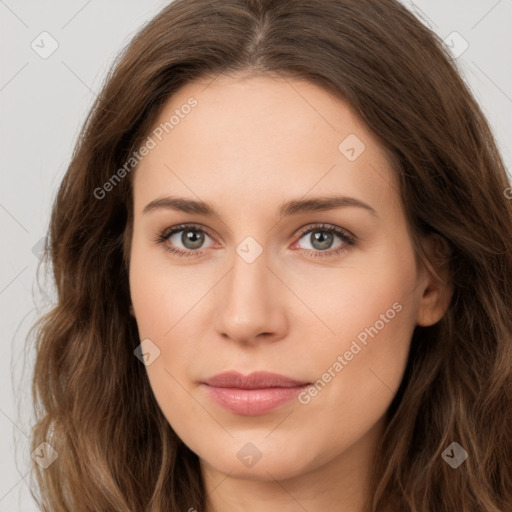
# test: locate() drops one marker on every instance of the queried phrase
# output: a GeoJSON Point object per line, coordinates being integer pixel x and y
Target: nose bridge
{"type": "Point", "coordinates": [247, 290]}
{"type": "Point", "coordinates": [250, 300]}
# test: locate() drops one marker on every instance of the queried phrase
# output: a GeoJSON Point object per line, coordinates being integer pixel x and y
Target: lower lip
{"type": "Point", "coordinates": [253, 401]}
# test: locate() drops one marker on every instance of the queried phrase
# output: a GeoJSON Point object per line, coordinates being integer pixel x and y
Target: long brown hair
{"type": "Point", "coordinates": [94, 405]}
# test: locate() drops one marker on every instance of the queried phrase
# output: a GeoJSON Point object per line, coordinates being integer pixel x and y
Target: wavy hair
{"type": "Point", "coordinates": [92, 398]}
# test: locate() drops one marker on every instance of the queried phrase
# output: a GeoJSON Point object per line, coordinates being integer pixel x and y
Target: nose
{"type": "Point", "coordinates": [251, 303]}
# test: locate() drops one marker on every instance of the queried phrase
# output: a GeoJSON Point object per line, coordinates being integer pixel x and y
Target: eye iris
{"type": "Point", "coordinates": [192, 239]}
{"type": "Point", "coordinates": [324, 239]}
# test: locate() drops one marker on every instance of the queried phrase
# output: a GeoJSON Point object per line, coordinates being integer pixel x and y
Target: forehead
{"type": "Point", "coordinates": [254, 139]}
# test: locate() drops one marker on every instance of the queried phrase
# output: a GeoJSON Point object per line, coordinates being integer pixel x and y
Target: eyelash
{"type": "Point", "coordinates": [348, 239]}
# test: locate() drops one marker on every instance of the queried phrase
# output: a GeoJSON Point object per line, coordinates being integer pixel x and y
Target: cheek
{"type": "Point", "coordinates": [370, 311]}
{"type": "Point", "coordinates": [357, 375]}
{"type": "Point", "coordinates": [164, 311]}
{"type": "Point", "coordinates": [353, 296]}
{"type": "Point", "coordinates": [161, 293]}
{"type": "Point", "coordinates": [161, 301]}
{"type": "Point", "coordinates": [162, 297]}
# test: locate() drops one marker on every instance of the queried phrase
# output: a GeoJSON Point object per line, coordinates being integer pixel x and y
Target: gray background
{"type": "Point", "coordinates": [43, 103]}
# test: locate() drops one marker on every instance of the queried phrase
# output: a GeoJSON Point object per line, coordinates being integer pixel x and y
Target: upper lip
{"type": "Point", "coordinates": [255, 380]}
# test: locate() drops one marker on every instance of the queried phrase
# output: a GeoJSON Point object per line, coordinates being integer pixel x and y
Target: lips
{"type": "Point", "coordinates": [256, 380]}
{"type": "Point", "coordinates": [256, 393]}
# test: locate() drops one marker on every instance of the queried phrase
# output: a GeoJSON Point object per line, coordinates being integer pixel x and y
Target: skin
{"type": "Point", "coordinates": [251, 144]}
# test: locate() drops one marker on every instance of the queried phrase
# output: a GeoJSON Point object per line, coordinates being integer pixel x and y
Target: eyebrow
{"type": "Point", "coordinates": [292, 207]}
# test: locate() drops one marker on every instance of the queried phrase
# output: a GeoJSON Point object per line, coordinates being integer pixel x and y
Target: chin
{"type": "Point", "coordinates": [261, 461]}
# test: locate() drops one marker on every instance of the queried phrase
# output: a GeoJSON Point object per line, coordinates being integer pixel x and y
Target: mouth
{"type": "Point", "coordinates": [253, 394]}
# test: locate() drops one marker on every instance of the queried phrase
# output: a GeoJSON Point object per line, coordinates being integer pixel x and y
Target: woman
{"type": "Point", "coordinates": [199, 356]}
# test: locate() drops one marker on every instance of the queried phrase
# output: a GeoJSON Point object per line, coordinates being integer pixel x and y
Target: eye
{"type": "Point", "coordinates": [322, 240]}
{"type": "Point", "coordinates": [190, 236]}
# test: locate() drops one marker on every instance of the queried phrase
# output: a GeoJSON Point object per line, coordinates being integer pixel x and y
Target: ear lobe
{"type": "Point", "coordinates": [438, 289]}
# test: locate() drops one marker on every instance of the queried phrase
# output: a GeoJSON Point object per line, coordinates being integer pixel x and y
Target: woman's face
{"type": "Point", "coordinates": [275, 278]}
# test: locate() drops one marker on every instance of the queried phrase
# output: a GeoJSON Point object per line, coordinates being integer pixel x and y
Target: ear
{"type": "Point", "coordinates": [437, 285]}
{"type": "Point", "coordinates": [132, 311]}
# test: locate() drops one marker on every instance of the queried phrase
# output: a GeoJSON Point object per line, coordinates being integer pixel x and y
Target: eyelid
{"type": "Point", "coordinates": [327, 227]}
{"type": "Point", "coordinates": [172, 230]}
